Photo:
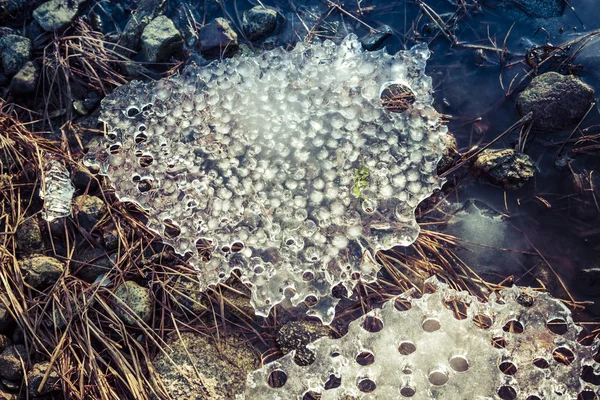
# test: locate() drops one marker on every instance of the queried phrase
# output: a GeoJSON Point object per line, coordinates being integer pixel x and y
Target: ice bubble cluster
{"type": "Point", "coordinates": [522, 344]}
{"type": "Point", "coordinates": [293, 167]}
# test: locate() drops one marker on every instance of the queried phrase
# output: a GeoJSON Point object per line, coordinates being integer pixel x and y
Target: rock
{"type": "Point", "coordinates": [15, 51]}
{"type": "Point", "coordinates": [137, 298]}
{"type": "Point", "coordinates": [588, 281]}
{"type": "Point", "coordinates": [4, 342]}
{"type": "Point", "coordinates": [450, 154]}
{"type": "Point", "coordinates": [217, 38]}
{"type": "Point", "coordinates": [505, 168]}
{"type": "Point", "coordinates": [25, 81]}
{"type": "Point", "coordinates": [90, 263]}
{"type": "Point", "coordinates": [41, 271]}
{"type": "Point", "coordinates": [11, 361]}
{"type": "Point", "coordinates": [160, 40]}
{"type": "Point", "coordinates": [222, 366]}
{"type": "Point", "coordinates": [375, 38]}
{"type": "Point", "coordinates": [36, 376]}
{"type": "Point", "coordinates": [535, 8]}
{"type": "Point", "coordinates": [88, 210]}
{"type": "Point", "coordinates": [146, 11]}
{"type": "Point", "coordinates": [28, 237]}
{"type": "Point", "coordinates": [259, 22]}
{"type": "Point", "coordinates": [557, 101]}
{"type": "Point", "coordinates": [56, 14]}
{"type": "Point", "coordinates": [295, 335]}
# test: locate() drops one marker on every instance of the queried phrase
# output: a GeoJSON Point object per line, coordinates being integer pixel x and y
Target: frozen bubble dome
{"type": "Point", "coordinates": [522, 344]}
{"type": "Point", "coordinates": [293, 167]}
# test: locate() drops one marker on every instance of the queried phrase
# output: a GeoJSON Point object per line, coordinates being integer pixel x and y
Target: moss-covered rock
{"type": "Point", "coordinates": [295, 335]}
{"type": "Point", "coordinates": [88, 210]}
{"type": "Point", "coordinates": [137, 299]}
{"type": "Point", "coordinates": [29, 237]}
{"type": "Point", "coordinates": [41, 271]}
{"type": "Point", "coordinates": [222, 366]}
{"type": "Point", "coordinates": [507, 168]}
{"type": "Point", "coordinates": [259, 22]}
{"type": "Point", "coordinates": [557, 101]}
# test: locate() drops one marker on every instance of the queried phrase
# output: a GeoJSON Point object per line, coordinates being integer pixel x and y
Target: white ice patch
{"type": "Point", "coordinates": [522, 344]}
{"type": "Point", "coordinates": [286, 163]}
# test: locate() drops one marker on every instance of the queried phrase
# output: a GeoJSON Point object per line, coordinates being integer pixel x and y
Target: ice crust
{"type": "Point", "coordinates": [425, 352]}
{"type": "Point", "coordinates": [259, 156]}
{"type": "Point", "coordinates": [57, 190]}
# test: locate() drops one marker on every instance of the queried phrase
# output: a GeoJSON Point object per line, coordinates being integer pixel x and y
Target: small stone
{"type": "Point", "coordinates": [259, 22]}
{"type": "Point", "coordinates": [295, 335]}
{"type": "Point", "coordinates": [90, 263]}
{"type": "Point", "coordinates": [450, 154]}
{"type": "Point", "coordinates": [78, 106]}
{"type": "Point", "coordinates": [217, 38]}
{"type": "Point", "coordinates": [11, 361]}
{"type": "Point", "coordinates": [557, 101]}
{"type": "Point", "coordinates": [16, 51]}
{"type": "Point", "coordinates": [41, 271]}
{"type": "Point", "coordinates": [506, 168]}
{"type": "Point", "coordinates": [56, 14]}
{"type": "Point", "coordinates": [375, 38]}
{"type": "Point", "coordinates": [479, 57]}
{"type": "Point", "coordinates": [161, 40]}
{"type": "Point", "coordinates": [146, 11]}
{"type": "Point", "coordinates": [28, 237]}
{"type": "Point", "coordinates": [25, 81]}
{"type": "Point", "coordinates": [88, 210]}
{"type": "Point", "coordinates": [36, 376]}
{"type": "Point", "coordinates": [137, 298]}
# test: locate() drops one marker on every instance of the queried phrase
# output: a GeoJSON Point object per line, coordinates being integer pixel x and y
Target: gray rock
{"type": "Point", "coordinates": [534, 8]}
{"type": "Point", "coordinates": [41, 271]}
{"type": "Point", "coordinates": [11, 361]}
{"type": "Point", "coordinates": [91, 263]}
{"type": "Point", "coordinates": [217, 38]}
{"type": "Point", "coordinates": [136, 298]}
{"type": "Point", "coordinates": [506, 168]}
{"type": "Point", "coordinates": [222, 366]}
{"type": "Point", "coordinates": [160, 40]}
{"type": "Point", "coordinates": [16, 51]}
{"type": "Point", "coordinates": [25, 81]}
{"type": "Point", "coordinates": [36, 376]}
{"type": "Point", "coordinates": [146, 11]}
{"type": "Point", "coordinates": [88, 210]}
{"type": "Point", "coordinates": [295, 335]}
{"type": "Point", "coordinates": [557, 101]}
{"type": "Point", "coordinates": [259, 22]}
{"type": "Point", "coordinates": [28, 237]}
{"type": "Point", "coordinates": [374, 39]}
{"type": "Point", "coordinates": [56, 14]}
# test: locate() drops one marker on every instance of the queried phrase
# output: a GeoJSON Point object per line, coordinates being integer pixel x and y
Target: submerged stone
{"type": "Point", "coordinates": [557, 101]}
{"type": "Point", "coordinates": [286, 164]}
{"type": "Point", "coordinates": [259, 22]}
{"type": "Point", "coordinates": [507, 168]}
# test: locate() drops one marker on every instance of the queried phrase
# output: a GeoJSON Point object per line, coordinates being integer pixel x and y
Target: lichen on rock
{"type": "Point", "coordinates": [256, 156]}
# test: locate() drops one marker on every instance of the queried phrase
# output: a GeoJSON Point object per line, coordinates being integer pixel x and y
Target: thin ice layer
{"type": "Point", "coordinates": [522, 344]}
{"type": "Point", "coordinates": [285, 164]}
